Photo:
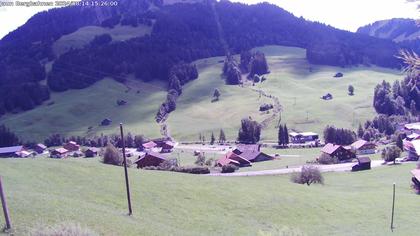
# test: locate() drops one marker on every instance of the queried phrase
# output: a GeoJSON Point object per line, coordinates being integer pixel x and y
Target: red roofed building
{"type": "Point", "coordinates": [150, 159]}
{"type": "Point", "coordinates": [338, 151]}
{"type": "Point", "coordinates": [232, 158]}
{"type": "Point", "coordinates": [362, 147]}
{"type": "Point", "coordinates": [72, 146]}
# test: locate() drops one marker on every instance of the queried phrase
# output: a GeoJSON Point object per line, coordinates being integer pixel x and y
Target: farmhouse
{"type": "Point", "coordinates": [234, 159]}
{"type": "Point", "coordinates": [59, 153]}
{"type": "Point", "coordinates": [72, 146]}
{"type": "Point", "coordinates": [150, 159]}
{"type": "Point", "coordinates": [338, 151]}
{"type": "Point", "coordinates": [362, 147]}
{"type": "Point", "coordinates": [167, 146]}
{"type": "Point", "coordinates": [11, 151]}
{"type": "Point", "coordinates": [40, 148]}
{"type": "Point", "coordinates": [363, 164]}
{"type": "Point", "coordinates": [149, 145]}
{"type": "Point", "coordinates": [304, 137]}
{"type": "Point", "coordinates": [252, 153]}
{"type": "Point", "coordinates": [91, 152]}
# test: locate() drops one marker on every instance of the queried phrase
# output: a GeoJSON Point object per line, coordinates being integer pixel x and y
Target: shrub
{"type": "Point", "coordinates": [326, 159]}
{"type": "Point", "coordinates": [169, 164]}
{"type": "Point", "coordinates": [112, 156]}
{"type": "Point", "coordinates": [201, 159]}
{"type": "Point", "coordinates": [209, 162]}
{"type": "Point", "coordinates": [193, 169]}
{"type": "Point", "coordinates": [229, 168]}
{"type": "Point", "coordinates": [63, 229]}
{"type": "Point", "coordinates": [391, 153]}
{"type": "Point", "coordinates": [308, 175]}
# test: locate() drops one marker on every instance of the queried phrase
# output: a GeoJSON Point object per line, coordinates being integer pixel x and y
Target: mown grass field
{"type": "Point", "coordinates": [47, 192]}
{"type": "Point", "coordinates": [74, 111]}
{"type": "Point", "coordinates": [298, 89]}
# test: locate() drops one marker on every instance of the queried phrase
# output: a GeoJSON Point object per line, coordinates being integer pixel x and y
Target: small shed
{"type": "Point", "coordinates": [91, 152]}
{"type": "Point", "coordinates": [327, 96]}
{"type": "Point", "coordinates": [338, 75]}
{"type": "Point", "coordinates": [150, 159]}
{"type": "Point", "coordinates": [363, 164]}
{"type": "Point", "coordinates": [40, 148]}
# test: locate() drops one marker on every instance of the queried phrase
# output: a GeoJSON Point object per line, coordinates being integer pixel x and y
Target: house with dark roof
{"type": "Point", "coordinates": [167, 147]}
{"type": "Point", "coordinates": [234, 159]}
{"type": "Point", "coordinates": [363, 147]}
{"type": "Point", "coordinates": [72, 146]}
{"type": "Point", "coordinates": [91, 152]}
{"type": "Point", "coordinates": [40, 148]}
{"type": "Point", "coordinates": [11, 151]}
{"type": "Point", "coordinates": [252, 153]}
{"type": "Point", "coordinates": [150, 159]}
{"type": "Point", "coordinates": [363, 164]}
{"type": "Point", "coordinates": [338, 151]}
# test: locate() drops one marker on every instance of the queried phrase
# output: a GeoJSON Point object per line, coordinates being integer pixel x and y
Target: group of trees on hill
{"type": "Point", "coordinates": [339, 136]}
{"type": "Point", "coordinates": [253, 63]}
{"type": "Point", "coordinates": [249, 132]}
{"type": "Point", "coordinates": [399, 99]}
{"type": "Point", "coordinates": [283, 136]}
{"type": "Point", "coordinates": [231, 71]}
{"type": "Point", "coordinates": [7, 137]}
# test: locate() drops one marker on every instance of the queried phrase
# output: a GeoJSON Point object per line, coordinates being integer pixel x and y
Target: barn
{"type": "Point", "coordinates": [363, 164]}
{"type": "Point", "coordinates": [150, 159]}
{"type": "Point", "coordinates": [10, 151]}
{"type": "Point", "coordinates": [252, 153]}
{"type": "Point", "coordinates": [363, 147]}
{"type": "Point", "coordinates": [234, 159]}
{"type": "Point", "coordinates": [338, 151]}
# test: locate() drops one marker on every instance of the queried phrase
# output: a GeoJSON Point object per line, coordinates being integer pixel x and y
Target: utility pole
{"type": "Point", "coordinates": [127, 185]}
{"type": "Point", "coordinates": [5, 210]}
{"type": "Point", "coordinates": [393, 206]}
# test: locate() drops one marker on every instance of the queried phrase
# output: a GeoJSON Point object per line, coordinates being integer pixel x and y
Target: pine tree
{"type": "Point", "coordinates": [351, 90]}
{"type": "Point", "coordinates": [212, 139]}
{"type": "Point", "coordinates": [286, 135]}
{"type": "Point", "coordinates": [216, 94]}
{"type": "Point", "coordinates": [222, 137]}
{"type": "Point", "coordinates": [399, 142]}
{"type": "Point", "coordinates": [360, 131]}
{"type": "Point", "coordinates": [280, 136]}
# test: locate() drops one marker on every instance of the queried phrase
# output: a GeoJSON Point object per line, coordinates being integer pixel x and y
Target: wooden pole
{"type": "Point", "coordinates": [127, 185]}
{"type": "Point", "coordinates": [5, 210]}
{"type": "Point", "coordinates": [393, 207]}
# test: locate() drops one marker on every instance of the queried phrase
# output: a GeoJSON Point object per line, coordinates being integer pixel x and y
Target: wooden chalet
{"type": "Point", "coordinates": [363, 164]}
{"type": "Point", "coordinates": [413, 150]}
{"type": "Point", "coordinates": [167, 147]}
{"type": "Point", "coordinates": [40, 148]}
{"type": "Point", "coordinates": [338, 151]}
{"type": "Point", "coordinates": [149, 145]}
{"type": "Point", "coordinates": [252, 153]}
{"type": "Point", "coordinates": [59, 153]}
{"type": "Point", "coordinates": [72, 146]}
{"type": "Point", "coordinates": [13, 151]}
{"type": "Point", "coordinates": [150, 159]}
{"type": "Point", "coordinates": [362, 147]}
{"type": "Point", "coordinates": [91, 152]}
{"type": "Point", "coordinates": [234, 159]}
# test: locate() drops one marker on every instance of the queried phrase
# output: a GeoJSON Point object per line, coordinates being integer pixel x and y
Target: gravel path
{"type": "Point", "coordinates": [322, 168]}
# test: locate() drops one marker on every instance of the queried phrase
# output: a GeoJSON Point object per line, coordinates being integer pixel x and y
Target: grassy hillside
{"type": "Point", "coordinates": [299, 86]}
{"type": "Point", "coordinates": [74, 111]}
{"type": "Point", "coordinates": [47, 192]}
{"type": "Point", "coordinates": [86, 34]}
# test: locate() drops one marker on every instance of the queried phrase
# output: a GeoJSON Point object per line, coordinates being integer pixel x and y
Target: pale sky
{"type": "Point", "coordinates": [342, 14]}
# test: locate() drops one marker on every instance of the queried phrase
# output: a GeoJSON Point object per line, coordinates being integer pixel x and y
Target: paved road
{"type": "Point", "coordinates": [322, 168]}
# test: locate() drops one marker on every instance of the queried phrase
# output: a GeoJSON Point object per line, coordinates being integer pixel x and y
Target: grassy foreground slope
{"type": "Point", "coordinates": [47, 192]}
{"type": "Point", "coordinates": [299, 86]}
{"type": "Point", "coordinates": [74, 111]}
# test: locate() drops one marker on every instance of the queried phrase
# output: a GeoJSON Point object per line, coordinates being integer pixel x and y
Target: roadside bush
{"type": "Point", "coordinates": [193, 169]}
{"type": "Point", "coordinates": [112, 156]}
{"type": "Point", "coordinates": [64, 229]}
{"type": "Point", "coordinates": [308, 175]}
{"type": "Point", "coordinates": [326, 159]}
{"type": "Point", "coordinates": [391, 153]}
{"type": "Point", "coordinates": [229, 168]}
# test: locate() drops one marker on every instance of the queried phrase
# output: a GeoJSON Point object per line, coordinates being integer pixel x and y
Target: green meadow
{"type": "Point", "coordinates": [47, 192]}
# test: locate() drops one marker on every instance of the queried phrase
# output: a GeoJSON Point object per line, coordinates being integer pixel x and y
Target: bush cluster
{"type": "Point", "coordinates": [229, 168]}
{"type": "Point", "coordinates": [308, 175]}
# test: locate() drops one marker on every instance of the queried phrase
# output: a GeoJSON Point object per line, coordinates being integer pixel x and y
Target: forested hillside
{"type": "Point", "coordinates": [180, 33]}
